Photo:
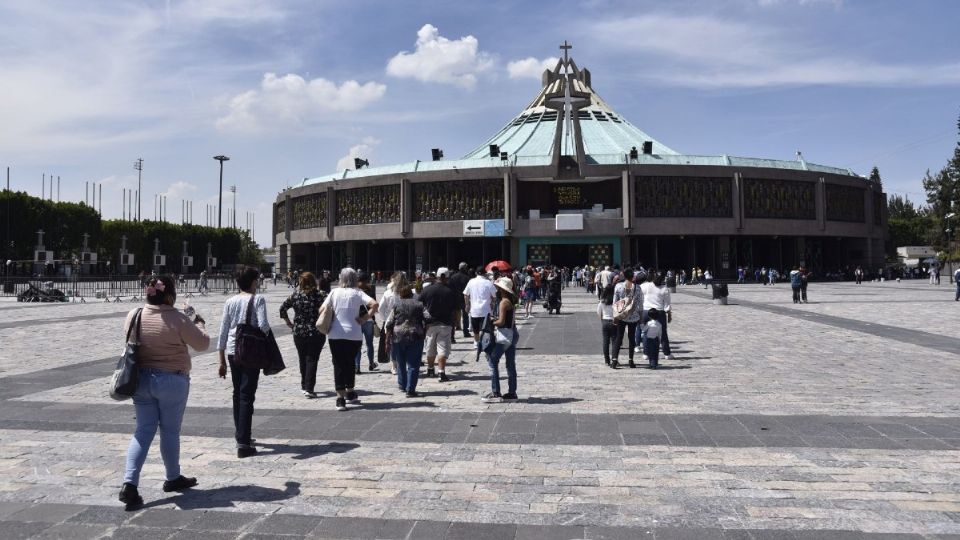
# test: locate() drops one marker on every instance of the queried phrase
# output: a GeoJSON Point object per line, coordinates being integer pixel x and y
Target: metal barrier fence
{"type": "Point", "coordinates": [113, 288]}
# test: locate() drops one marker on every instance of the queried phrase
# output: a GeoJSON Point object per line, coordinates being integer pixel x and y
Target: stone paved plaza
{"type": "Point", "coordinates": [834, 419]}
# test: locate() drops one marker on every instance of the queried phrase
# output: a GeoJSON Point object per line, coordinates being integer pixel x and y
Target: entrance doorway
{"type": "Point", "coordinates": [568, 255]}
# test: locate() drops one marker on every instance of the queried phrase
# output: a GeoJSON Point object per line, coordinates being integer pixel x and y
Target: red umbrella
{"type": "Point", "coordinates": [503, 266]}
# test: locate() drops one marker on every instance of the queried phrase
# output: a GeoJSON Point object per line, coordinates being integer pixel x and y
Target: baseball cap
{"type": "Point", "coordinates": [442, 271]}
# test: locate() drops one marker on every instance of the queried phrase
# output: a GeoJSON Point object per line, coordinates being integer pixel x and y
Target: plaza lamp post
{"type": "Point", "coordinates": [221, 159]}
{"type": "Point", "coordinates": [950, 235]}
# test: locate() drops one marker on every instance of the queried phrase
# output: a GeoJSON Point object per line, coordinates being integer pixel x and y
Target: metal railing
{"type": "Point", "coordinates": [112, 288]}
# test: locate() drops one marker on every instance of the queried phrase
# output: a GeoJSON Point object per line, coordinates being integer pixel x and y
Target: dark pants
{"type": "Point", "coordinates": [651, 348]}
{"type": "Point", "coordinates": [308, 349]}
{"type": "Point", "coordinates": [609, 338]}
{"type": "Point", "coordinates": [664, 338]}
{"type": "Point", "coordinates": [803, 291]}
{"type": "Point", "coordinates": [629, 328]}
{"type": "Point", "coordinates": [465, 314]}
{"type": "Point", "coordinates": [343, 352]}
{"type": "Point", "coordinates": [245, 382]}
{"type": "Point", "coordinates": [796, 294]}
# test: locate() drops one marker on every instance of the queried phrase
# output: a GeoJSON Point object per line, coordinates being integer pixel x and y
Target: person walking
{"type": "Point", "coordinates": [608, 327]}
{"type": "Point", "coordinates": [440, 304]}
{"type": "Point", "coordinates": [656, 297]}
{"type": "Point", "coordinates": [406, 330]}
{"type": "Point", "coordinates": [956, 281]}
{"type": "Point", "coordinates": [858, 275]}
{"type": "Point", "coordinates": [457, 283]}
{"type": "Point", "coordinates": [306, 302]}
{"type": "Point", "coordinates": [795, 281]}
{"type": "Point", "coordinates": [804, 279]}
{"type": "Point", "coordinates": [366, 329]}
{"type": "Point", "coordinates": [397, 281]}
{"type": "Point", "coordinates": [245, 379]}
{"type": "Point", "coordinates": [504, 326]}
{"type": "Point", "coordinates": [346, 333]}
{"type": "Point", "coordinates": [479, 295]}
{"type": "Point", "coordinates": [626, 293]}
{"type": "Point", "coordinates": [528, 292]}
{"type": "Point", "coordinates": [651, 345]}
{"type": "Point", "coordinates": [164, 333]}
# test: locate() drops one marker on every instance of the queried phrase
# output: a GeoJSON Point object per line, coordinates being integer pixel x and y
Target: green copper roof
{"type": "Point", "coordinates": [567, 118]}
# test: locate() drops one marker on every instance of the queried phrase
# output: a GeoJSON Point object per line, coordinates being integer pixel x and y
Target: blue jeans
{"type": "Point", "coordinates": [493, 360]}
{"type": "Point", "coordinates": [367, 330]}
{"type": "Point", "coordinates": [407, 355]}
{"type": "Point", "coordinates": [160, 401]}
{"type": "Point", "coordinates": [664, 338]}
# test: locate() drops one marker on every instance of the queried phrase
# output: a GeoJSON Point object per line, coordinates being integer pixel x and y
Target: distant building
{"type": "Point", "coordinates": [915, 255]}
{"type": "Point", "coordinates": [569, 181]}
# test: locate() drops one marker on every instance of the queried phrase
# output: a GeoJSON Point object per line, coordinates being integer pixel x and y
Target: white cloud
{"type": "Point", "coordinates": [712, 52]}
{"type": "Point", "coordinates": [291, 99]}
{"type": "Point", "coordinates": [530, 67]}
{"type": "Point", "coordinates": [438, 59]}
{"type": "Point", "coordinates": [363, 150]}
{"type": "Point", "coordinates": [180, 190]}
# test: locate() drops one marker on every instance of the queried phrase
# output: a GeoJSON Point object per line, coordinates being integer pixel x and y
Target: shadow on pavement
{"type": "Point", "coordinates": [226, 496]}
{"type": "Point", "coordinates": [306, 451]}
{"type": "Point", "coordinates": [551, 400]}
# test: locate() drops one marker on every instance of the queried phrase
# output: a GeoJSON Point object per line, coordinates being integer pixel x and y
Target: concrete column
{"type": "Point", "coordinates": [626, 204]}
{"type": "Point", "coordinates": [287, 216]}
{"type": "Point", "coordinates": [738, 200]}
{"type": "Point", "coordinates": [331, 212]}
{"type": "Point", "coordinates": [406, 206]}
{"type": "Point", "coordinates": [821, 200]}
{"type": "Point", "coordinates": [508, 202]}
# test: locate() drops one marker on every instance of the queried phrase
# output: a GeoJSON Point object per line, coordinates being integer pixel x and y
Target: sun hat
{"type": "Point", "coordinates": [505, 284]}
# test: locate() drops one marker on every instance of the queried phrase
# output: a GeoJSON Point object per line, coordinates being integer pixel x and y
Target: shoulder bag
{"type": "Point", "coordinates": [251, 344]}
{"type": "Point", "coordinates": [624, 307]}
{"type": "Point", "coordinates": [325, 318]}
{"type": "Point", "coordinates": [126, 377]}
{"type": "Point", "coordinates": [276, 357]}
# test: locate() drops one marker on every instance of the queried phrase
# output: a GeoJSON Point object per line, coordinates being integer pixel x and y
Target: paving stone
{"type": "Point", "coordinates": [72, 531]}
{"type": "Point", "coordinates": [47, 513]}
{"type": "Point", "coordinates": [143, 533]}
{"type": "Point", "coordinates": [287, 524]}
{"type": "Point", "coordinates": [222, 521]}
{"type": "Point", "coordinates": [480, 531]}
{"type": "Point", "coordinates": [548, 532]}
{"type": "Point", "coordinates": [428, 530]}
{"type": "Point", "coordinates": [16, 530]}
{"type": "Point", "coordinates": [102, 514]}
{"type": "Point", "coordinates": [156, 517]}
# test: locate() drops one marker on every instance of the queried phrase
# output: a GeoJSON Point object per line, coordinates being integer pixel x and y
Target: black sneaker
{"type": "Point", "coordinates": [614, 364]}
{"type": "Point", "coordinates": [491, 397]}
{"type": "Point", "coordinates": [373, 367]}
{"type": "Point", "coordinates": [606, 361]}
{"type": "Point", "coordinates": [509, 396]}
{"type": "Point", "coordinates": [443, 377]}
{"type": "Point", "coordinates": [358, 371]}
{"type": "Point", "coordinates": [341, 404]}
{"type": "Point", "coordinates": [352, 398]}
{"type": "Point", "coordinates": [431, 372]}
{"type": "Point", "coordinates": [246, 451]}
{"type": "Point", "coordinates": [130, 497]}
{"type": "Point", "coordinates": [631, 364]}
{"type": "Point", "coordinates": [412, 394]}
{"type": "Point", "coordinates": [179, 484]}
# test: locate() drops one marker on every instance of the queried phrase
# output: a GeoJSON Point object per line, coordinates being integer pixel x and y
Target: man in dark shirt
{"type": "Point", "coordinates": [441, 304]}
{"type": "Point", "coordinates": [457, 283]}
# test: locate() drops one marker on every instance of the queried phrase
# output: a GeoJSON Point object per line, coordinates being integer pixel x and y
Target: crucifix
{"type": "Point", "coordinates": [86, 240]}
{"type": "Point", "coordinates": [566, 47]}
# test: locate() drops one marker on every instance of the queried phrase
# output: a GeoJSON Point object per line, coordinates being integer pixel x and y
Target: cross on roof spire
{"type": "Point", "coordinates": [566, 48]}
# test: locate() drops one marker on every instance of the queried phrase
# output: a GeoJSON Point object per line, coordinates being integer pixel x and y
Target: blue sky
{"type": "Point", "coordinates": [292, 89]}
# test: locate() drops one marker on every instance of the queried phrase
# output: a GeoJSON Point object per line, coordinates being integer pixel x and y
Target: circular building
{"type": "Point", "coordinates": [568, 181]}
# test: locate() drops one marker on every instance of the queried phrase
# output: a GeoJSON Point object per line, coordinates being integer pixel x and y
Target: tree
{"type": "Point", "coordinates": [901, 208]}
{"type": "Point", "coordinates": [875, 175]}
{"type": "Point", "coordinates": [943, 196]}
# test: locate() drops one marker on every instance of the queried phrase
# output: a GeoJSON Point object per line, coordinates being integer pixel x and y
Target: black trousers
{"type": "Point", "coordinates": [796, 294]}
{"type": "Point", "coordinates": [609, 338]}
{"type": "Point", "coordinates": [308, 349]}
{"type": "Point", "coordinates": [344, 351]}
{"type": "Point", "coordinates": [245, 382]}
{"type": "Point", "coordinates": [803, 291]}
{"type": "Point", "coordinates": [631, 329]}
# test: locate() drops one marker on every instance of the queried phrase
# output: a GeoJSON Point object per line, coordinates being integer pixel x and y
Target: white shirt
{"type": "Point", "coordinates": [655, 297]}
{"type": "Point", "coordinates": [346, 308]}
{"type": "Point", "coordinates": [604, 311]}
{"type": "Point", "coordinates": [653, 329]}
{"type": "Point", "coordinates": [481, 291]}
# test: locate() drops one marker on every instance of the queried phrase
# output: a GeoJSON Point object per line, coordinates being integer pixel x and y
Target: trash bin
{"type": "Point", "coordinates": [720, 293]}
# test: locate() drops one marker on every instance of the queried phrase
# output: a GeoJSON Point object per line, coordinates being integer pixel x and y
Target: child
{"type": "Point", "coordinates": [652, 342]}
{"type": "Point", "coordinates": [608, 327]}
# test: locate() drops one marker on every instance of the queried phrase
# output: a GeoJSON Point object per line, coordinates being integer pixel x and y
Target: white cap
{"type": "Point", "coordinates": [442, 271]}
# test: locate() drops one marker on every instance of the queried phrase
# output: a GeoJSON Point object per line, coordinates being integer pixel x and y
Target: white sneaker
{"type": "Point", "coordinates": [639, 350]}
{"type": "Point", "coordinates": [645, 358]}
{"type": "Point", "coordinates": [669, 357]}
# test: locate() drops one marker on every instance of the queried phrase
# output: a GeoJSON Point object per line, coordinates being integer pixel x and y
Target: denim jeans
{"type": "Point", "coordinates": [367, 330]}
{"type": "Point", "coordinates": [308, 349]}
{"type": "Point", "coordinates": [664, 338]}
{"type": "Point", "coordinates": [629, 328]}
{"type": "Point", "coordinates": [609, 330]}
{"type": "Point", "coordinates": [493, 360]}
{"type": "Point", "coordinates": [408, 355]}
{"type": "Point", "coordinates": [245, 382]}
{"type": "Point", "coordinates": [160, 401]}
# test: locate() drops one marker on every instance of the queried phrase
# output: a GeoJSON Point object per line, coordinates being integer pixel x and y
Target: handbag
{"type": "Point", "coordinates": [382, 357]}
{"type": "Point", "coordinates": [504, 336]}
{"type": "Point", "coordinates": [325, 318]}
{"type": "Point", "coordinates": [251, 350]}
{"type": "Point", "coordinates": [126, 377]}
{"type": "Point", "coordinates": [276, 357]}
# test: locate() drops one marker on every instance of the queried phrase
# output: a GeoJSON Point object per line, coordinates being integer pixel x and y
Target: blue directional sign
{"type": "Point", "coordinates": [493, 227]}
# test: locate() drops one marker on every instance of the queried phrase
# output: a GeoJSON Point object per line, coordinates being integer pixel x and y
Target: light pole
{"type": "Point", "coordinates": [221, 159]}
{"type": "Point", "coordinates": [950, 235]}
{"type": "Point", "coordinates": [138, 165]}
{"type": "Point", "coordinates": [233, 189]}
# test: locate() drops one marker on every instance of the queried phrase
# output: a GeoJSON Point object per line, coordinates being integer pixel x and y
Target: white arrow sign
{"type": "Point", "coordinates": [473, 227]}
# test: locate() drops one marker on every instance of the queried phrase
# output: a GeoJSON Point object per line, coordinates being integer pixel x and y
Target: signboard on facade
{"type": "Point", "coordinates": [473, 227]}
{"type": "Point", "coordinates": [493, 227]}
